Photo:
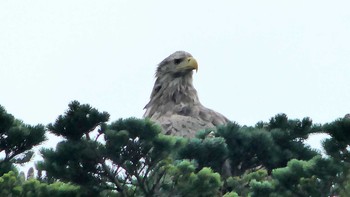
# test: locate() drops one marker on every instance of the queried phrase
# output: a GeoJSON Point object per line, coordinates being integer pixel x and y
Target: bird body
{"type": "Point", "coordinates": [174, 103]}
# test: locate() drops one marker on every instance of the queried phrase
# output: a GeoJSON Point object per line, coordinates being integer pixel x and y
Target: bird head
{"type": "Point", "coordinates": [176, 65]}
{"type": "Point", "coordinates": [174, 102]}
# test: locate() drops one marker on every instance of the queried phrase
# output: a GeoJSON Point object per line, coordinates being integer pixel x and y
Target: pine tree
{"type": "Point", "coordinates": [337, 147]}
{"type": "Point", "coordinates": [130, 157]}
{"type": "Point", "coordinates": [14, 185]}
{"type": "Point", "coordinates": [16, 140]}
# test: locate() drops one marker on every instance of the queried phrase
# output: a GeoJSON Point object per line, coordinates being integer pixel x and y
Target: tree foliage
{"type": "Point", "coordinates": [12, 185]}
{"type": "Point", "coordinates": [130, 157]}
{"type": "Point", "coordinates": [16, 141]}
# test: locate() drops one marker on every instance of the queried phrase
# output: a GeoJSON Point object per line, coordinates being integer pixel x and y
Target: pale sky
{"type": "Point", "coordinates": [256, 58]}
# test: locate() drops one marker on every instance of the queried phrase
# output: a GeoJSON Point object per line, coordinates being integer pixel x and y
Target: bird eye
{"type": "Point", "coordinates": [177, 61]}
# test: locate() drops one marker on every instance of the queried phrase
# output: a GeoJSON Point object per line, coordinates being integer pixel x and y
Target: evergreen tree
{"type": "Point", "coordinates": [315, 177]}
{"type": "Point", "coordinates": [289, 137]}
{"type": "Point", "coordinates": [130, 157]}
{"type": "Point", "coordinates": [265, 146]}
{"type": "Point", "coordinates": [123, 162]}
{"type": "Point", "coordinates": [12, 185]}
{"type": "Point", "coordinates": [337, 147]}
{"type": "Point", "coordinates": [183, 180]}
{"type": "Point", "coordinates": [16, 140]}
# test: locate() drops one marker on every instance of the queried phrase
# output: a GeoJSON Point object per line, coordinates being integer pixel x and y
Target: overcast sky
{"type": "Point", "coordinates": [256, 58]}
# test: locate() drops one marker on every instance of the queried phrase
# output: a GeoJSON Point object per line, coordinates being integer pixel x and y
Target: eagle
{"type": "Point", "coordinates": [174, 103]}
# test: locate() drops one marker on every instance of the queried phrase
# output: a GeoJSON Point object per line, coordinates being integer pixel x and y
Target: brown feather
{"type": "Point", "coordinates": [174, 102]}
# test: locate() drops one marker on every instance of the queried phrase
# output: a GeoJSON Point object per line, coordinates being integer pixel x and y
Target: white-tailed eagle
{"type": "Point", "coordinates": [174, 102]}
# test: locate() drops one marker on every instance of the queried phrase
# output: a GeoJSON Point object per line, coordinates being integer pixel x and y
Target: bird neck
{"type": "Point", "coordinates": [181, 90]}
{"type": "Point", "coordinates": [172, 94]}
{"type": "Point", "coordinates": [176, 90]}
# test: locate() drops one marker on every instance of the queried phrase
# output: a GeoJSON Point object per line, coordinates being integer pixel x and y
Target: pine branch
{"type": "Point", "coordinates": [113, 179]}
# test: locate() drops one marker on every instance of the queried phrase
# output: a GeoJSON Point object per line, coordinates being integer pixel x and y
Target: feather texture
{"type": "Point", "coordinates": [174, 103]}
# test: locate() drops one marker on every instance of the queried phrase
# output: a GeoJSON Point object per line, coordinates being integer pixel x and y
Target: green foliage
{"type": "Point", "coordinates": [261, 188]}
{"type": "Point", "coordinates": [231, 194]}
{"type": "Point", "coordinates": [130, 140]}
{"type": "Point", "coordinates": [182, 180]}
{"type": "Point", "coordinates": [16, 140]}
{"type": "Point", "coordinates": [130, 157]}
{"type": "Point", "coordinates": [75, 161]}
{"type": "Point", "coordinates": [9, 185]}
{"type": "Point", "coordinates": [306, 178]}
{"type": "Point", "coordinates": [251, 183]}
{"type": "Point", "coordinates": [209, 152]}
{"type": "Point", "coordinates": [77, 121]}
{"type": "Point", "coordinates": [268, 145]}
{"type": "Point", "coordinates": [136, 148]}
{"type": "Point", "coordinates": [33, 188]}
{"type": "Point", "coordinates": [79, 158]}
{"type": "Point", "coordinates": [205, 183]}
{"type": "Point", "coordinates": [246, 147]}
{"type": "Point", "coordinates": [12, 185]}
{"type": "Point", "coordinates": [289, 136]}
{"type": "Point", "coordinates": [344, 188]}
{"type": "Point", "coordinates": [338, 145]}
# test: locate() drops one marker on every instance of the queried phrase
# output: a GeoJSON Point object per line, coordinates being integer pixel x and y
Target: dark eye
{"type": "Point", "coordinates": [177, 61]}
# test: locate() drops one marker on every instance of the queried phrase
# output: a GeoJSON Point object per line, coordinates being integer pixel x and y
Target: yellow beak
{"type": "Point", "coordinates": [191, 63]}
